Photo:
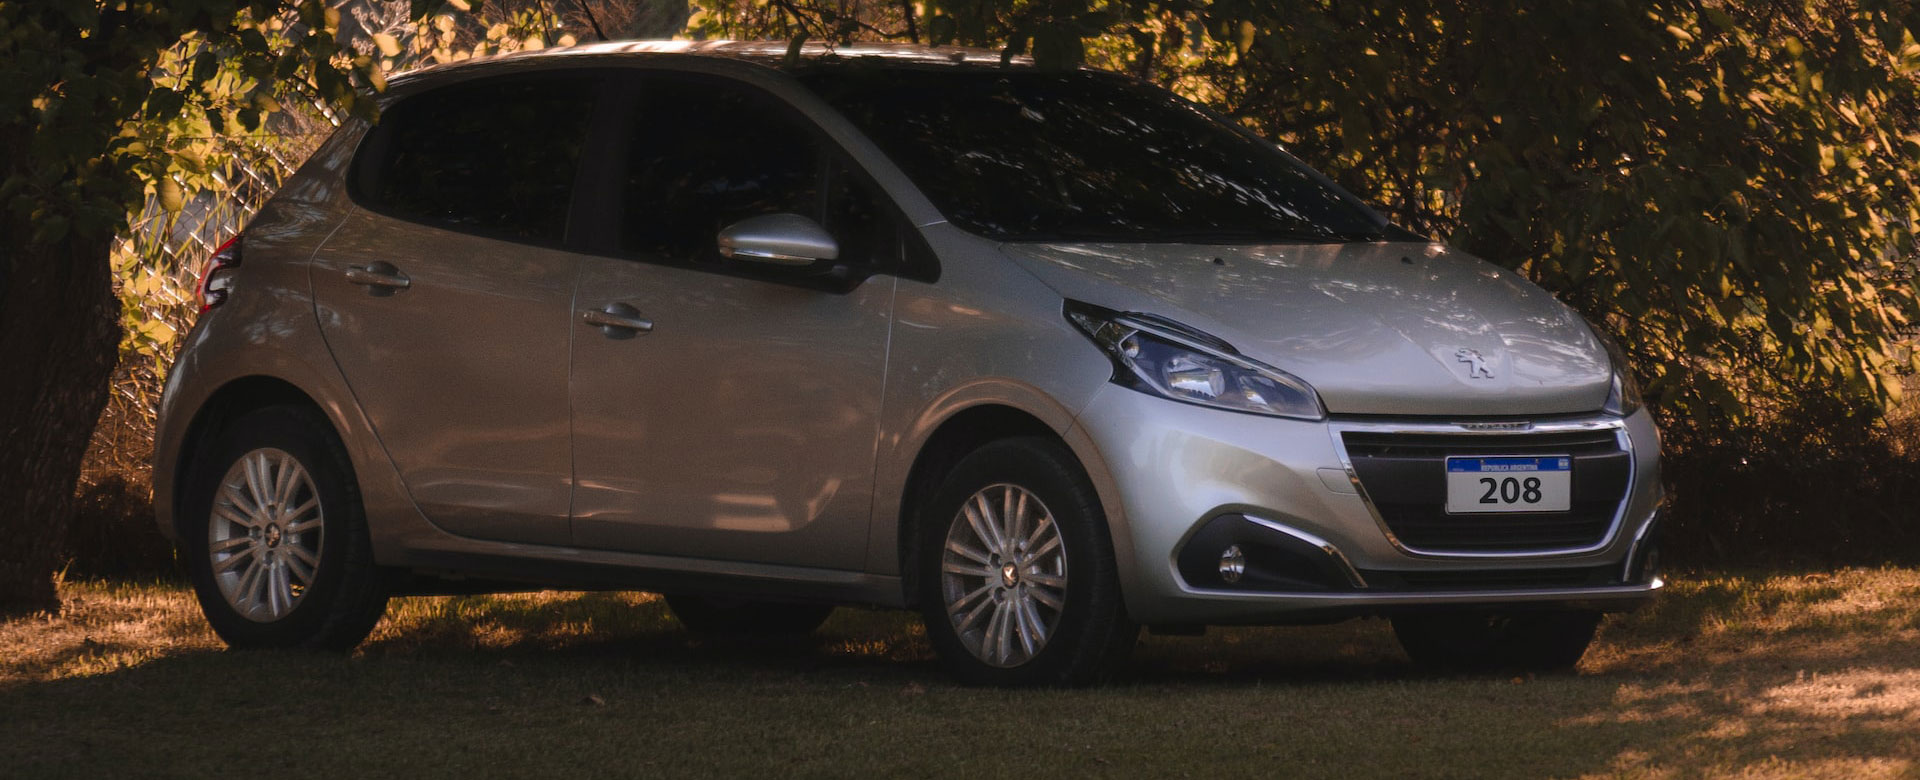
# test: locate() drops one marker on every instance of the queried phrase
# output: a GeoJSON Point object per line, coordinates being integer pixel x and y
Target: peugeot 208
{"type": "Point", "coordinates": [1047, 356]}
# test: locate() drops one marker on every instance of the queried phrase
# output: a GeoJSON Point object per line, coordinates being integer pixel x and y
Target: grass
{"type": "Point", "coordinates": [1812, 675]}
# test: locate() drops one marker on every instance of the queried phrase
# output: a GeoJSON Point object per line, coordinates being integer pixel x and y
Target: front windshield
{"type": "Point", "coordinates": [1026, 155]}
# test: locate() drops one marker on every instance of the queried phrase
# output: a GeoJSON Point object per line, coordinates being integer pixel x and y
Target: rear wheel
{"type": "Point", "coordinates": [1018, 583]}
{"type": "Point", "coordinates": [1477, 641]}
{"type": "Point", "coordinates": [720, 615]}
{"type": "Point", "coordinates": [273, 535]}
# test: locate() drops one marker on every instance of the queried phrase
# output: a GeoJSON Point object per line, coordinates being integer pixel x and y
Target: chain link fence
{"type": "Point", "coordinates": [157, 263]}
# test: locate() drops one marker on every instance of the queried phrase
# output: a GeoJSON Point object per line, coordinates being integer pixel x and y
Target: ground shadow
{"type": "Point", "coordinates": [608, 683]}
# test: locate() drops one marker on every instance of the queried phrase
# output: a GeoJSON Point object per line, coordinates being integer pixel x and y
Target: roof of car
{"type": "Point", "coordinates": [768, 53]}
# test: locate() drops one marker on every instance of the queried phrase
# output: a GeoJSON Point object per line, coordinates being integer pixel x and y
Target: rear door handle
{"type": "Point", "coordinates": [617, 321]}
{"type": "Point", "coordinates": [380, 278]}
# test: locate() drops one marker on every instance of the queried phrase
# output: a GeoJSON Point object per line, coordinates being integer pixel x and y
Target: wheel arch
{"type": "Point", "coordinates": [959, 433]}
{"type": "Point", "coordinates": [230, 401]}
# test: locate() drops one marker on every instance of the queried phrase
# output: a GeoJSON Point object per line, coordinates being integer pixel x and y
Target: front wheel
{"type": "Point", "coordinates": [1546, 641]}
{"type": "Point", "coordinates": [1018, 582]}
{"type": "Point", "coordinates": [273, 534]}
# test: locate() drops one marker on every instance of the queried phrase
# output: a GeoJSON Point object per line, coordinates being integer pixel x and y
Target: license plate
{"type": "Point", "coordinates": [1509, 484]}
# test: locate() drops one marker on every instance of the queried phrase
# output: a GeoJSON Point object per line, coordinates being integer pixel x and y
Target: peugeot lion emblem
{"type": "Point", "coordinates": [1476, 365]}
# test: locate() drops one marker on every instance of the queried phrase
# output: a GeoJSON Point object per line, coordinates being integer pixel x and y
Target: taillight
{"type": "Point", "coordinates": [217, 278]}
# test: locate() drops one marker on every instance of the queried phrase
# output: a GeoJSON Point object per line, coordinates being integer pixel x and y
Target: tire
{"type": "Point", "coordinates": [1549, 641]}
{"type": "Point", "coordinates": [1048, 615]}
{"type": "Point", "coordinates": [299, 576]}
{"type": "Point", "coordinates": [737, 617]}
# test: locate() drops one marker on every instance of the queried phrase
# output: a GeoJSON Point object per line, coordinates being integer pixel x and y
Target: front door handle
{"type": "Point", "coordinates": [380, 278]}
{"type": "Point", "coordinates": [618, 321]}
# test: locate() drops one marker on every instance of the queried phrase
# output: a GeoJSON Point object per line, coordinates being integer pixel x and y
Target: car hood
{"type": "Point", "coordinates": [1376, 328]}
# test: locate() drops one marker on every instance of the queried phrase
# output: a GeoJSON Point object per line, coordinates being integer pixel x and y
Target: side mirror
{"type": "Point", "coordinates": [785, 240]}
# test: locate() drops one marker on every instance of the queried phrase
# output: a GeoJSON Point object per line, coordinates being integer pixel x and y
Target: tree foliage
{"type": "Point", "coordinates": [101, 103]}
{"type": "Point", "coordinates": [101, 107]}
{"type": "Point", "coordinates": [1731, 187]}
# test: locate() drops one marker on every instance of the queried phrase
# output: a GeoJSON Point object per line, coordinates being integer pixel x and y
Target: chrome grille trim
{"type": "Point", "coordinates": [1338, 428]}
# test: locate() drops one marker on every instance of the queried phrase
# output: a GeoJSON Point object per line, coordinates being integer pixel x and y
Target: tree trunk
{"type": "Point", "coordinates": [59, 340]}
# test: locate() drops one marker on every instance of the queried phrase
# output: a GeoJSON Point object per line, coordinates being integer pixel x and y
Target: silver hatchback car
{"type": "Point", "coordinates": [1048, 356]}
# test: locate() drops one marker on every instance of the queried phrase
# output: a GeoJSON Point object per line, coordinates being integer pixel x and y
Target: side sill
{"type": "Point", "coordinates": [504, 567]}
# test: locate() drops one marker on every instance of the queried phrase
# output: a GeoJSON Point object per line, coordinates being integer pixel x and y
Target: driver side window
{"type": "Point", "coordinates": [705, 156]}
{"type": "Point", "coordinates": [705, 153]}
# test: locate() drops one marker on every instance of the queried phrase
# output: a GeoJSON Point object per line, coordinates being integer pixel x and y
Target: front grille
{"type": "Point", "coordinates": [1405, 477]}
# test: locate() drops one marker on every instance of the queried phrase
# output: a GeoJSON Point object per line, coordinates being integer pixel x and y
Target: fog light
{"type": "Point", "coordinates": [1233, 563]}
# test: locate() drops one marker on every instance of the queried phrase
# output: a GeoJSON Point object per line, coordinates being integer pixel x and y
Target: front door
{"type": "Point", "coordinates": [742, 425]}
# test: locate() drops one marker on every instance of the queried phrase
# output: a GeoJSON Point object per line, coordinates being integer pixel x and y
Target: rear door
{"type": "Point", "coordinates": [446, 298]}
{"type": "Point", "coordinates": [742, 426]}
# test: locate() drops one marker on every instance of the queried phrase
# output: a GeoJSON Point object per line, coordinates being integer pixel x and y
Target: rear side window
{"type": "Point", "coordinates": [494, 157]}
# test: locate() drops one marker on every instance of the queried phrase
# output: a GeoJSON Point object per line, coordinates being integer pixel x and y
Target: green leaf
{"type": "Point", "coordinates": [205, 64]}
{"type": "Point", "coordinates": [389, 45]}
{"type": "Point", "coordinates": [172, 199]}
{"type": "Point", "coordinates": [252, 41]}
{"type": "Point", "coordinates": [164, 104]}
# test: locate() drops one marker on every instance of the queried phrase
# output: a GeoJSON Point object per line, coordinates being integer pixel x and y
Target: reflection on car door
{"type": "Point", "coordinates": [446, 301]}
{"type": "Point", "coordinates": [743, 424]}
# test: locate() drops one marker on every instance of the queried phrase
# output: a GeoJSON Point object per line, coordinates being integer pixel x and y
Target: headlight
{"type": "Point", "coordinates": [1624, 399]}
{"type": "Point", "coordinates": [1167, 359]}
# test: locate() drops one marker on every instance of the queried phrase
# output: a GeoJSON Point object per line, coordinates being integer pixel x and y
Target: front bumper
{"type": "Point", "coordinates": [1181, 471]}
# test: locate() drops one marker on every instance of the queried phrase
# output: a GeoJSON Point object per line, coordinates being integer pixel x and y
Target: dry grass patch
{"type": "Point", "coordinates": [104, 627]}
{"type": "Point", "coordinates": [1863, 615]}
{"type": "Point", "coordinates": [1785, 676]}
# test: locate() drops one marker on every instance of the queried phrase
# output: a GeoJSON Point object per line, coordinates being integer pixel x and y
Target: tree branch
{"type": "Point", "coordinates": [595, 23]}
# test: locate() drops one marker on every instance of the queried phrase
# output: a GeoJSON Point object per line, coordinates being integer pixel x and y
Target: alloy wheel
{"type": "Point", "coordinates": [1003, 575]}
{"type": "Point", "coordinates": [265, 534]}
